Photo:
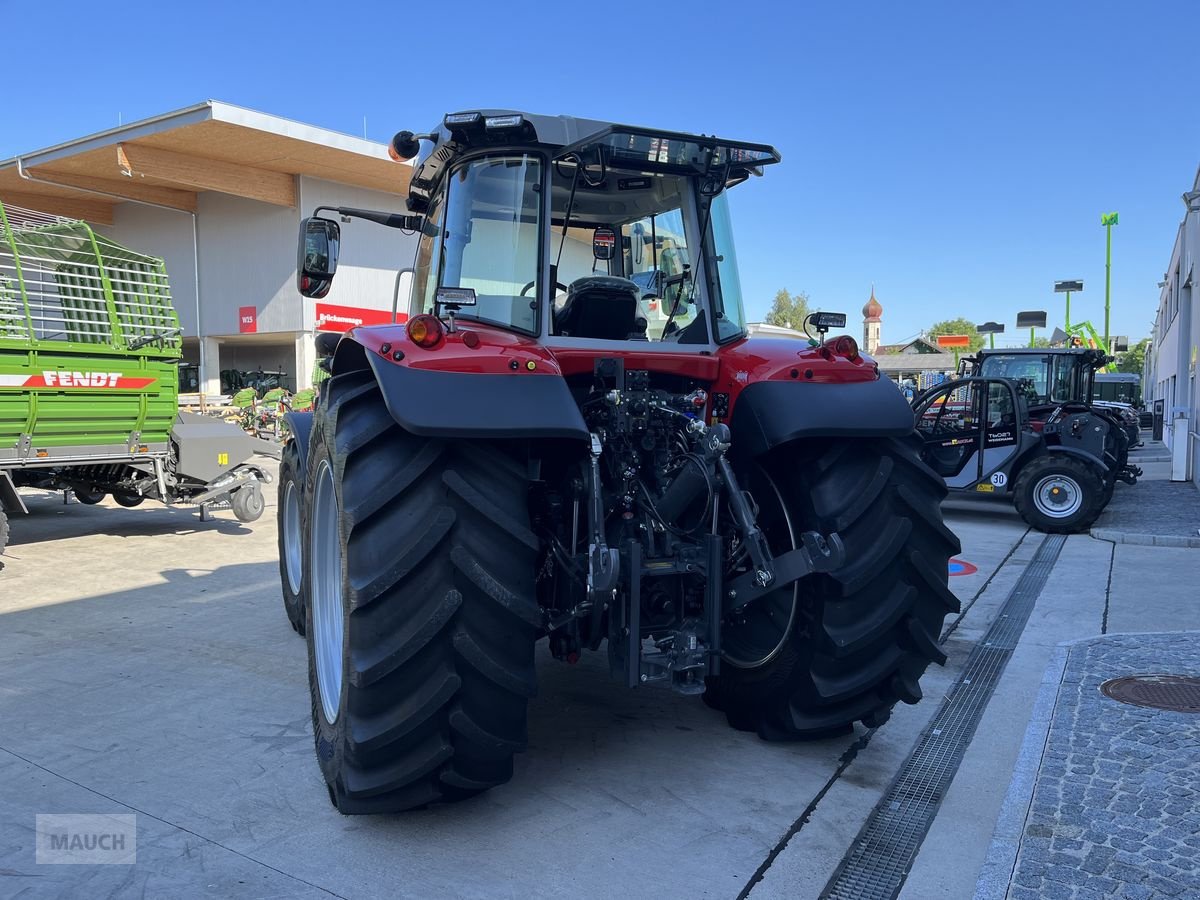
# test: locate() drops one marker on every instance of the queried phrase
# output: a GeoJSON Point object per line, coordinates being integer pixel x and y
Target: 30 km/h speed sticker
{"type": "Point", "coordinates": [999, 479]}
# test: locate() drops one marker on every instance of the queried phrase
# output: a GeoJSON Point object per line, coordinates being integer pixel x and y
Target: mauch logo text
{"type": "Point", "coordinates": [81, 379]}
{"type": "Point", "coordinates": [85, 839]}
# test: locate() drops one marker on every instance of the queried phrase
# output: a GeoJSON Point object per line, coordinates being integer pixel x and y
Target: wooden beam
{"type": "Point", "coordinates": [202, 174]}
{"type": "Point", "coordinates": [96, 212]}
{"type": "Point", "coordinates": [125, 187]}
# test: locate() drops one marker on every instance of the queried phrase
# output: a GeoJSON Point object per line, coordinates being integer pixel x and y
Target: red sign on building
{"type": "Point", "coordinates": [331, 317]}
{"type": "Point", "coordinates": [248, 319]}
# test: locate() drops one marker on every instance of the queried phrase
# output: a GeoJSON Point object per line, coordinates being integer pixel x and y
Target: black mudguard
{"type": "Point", "coordinates": [453, 404]}
{"type": "Point", "coordinates": [771, 413]}
{"type": "Point", "coordinates": [300, 424]}
{"type": "Point", "coordinates": [1090, 458]}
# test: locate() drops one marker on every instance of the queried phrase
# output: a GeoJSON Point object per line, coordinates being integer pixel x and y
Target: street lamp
{"type": "Point", "coordinates": [991, 329]}
{"type": "Point", "coordinates": [1065, 287]}
{"type": "Point", "coordinates": [1108, 220]}
{"type": "Point", "coordinates": [1031, 319]}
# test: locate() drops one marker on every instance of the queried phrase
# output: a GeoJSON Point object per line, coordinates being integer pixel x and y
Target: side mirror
{"type": "Point", "coordinates": [604, 243]}
{"type": "Point", "coordinates": [317, 256]}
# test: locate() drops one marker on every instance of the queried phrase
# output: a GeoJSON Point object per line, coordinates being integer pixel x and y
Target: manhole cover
{"type": "Point", "coordinates": [1178, 693]}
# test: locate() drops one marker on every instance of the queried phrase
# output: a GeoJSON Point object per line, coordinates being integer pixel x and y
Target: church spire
{"type": "Point", "coordinates": [873, 309]}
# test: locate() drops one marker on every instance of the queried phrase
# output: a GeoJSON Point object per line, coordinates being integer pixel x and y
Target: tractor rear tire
{"type": "Point", "coordinates": [288, 516]}
{"type": "Point", "coordinates": [1082, 488]}
{"type": "Point", "coordinates": [247, 503]}
{"type": "Point", "coordinates": [420, 566]}
{"type": "Point", "coordinates": [858, 639]}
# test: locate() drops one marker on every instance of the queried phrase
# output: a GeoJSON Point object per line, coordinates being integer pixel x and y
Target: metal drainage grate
{"type": "Point", "coordinates": [879, 860]}
{"type": "Point", "coordinates": [1177, 693]}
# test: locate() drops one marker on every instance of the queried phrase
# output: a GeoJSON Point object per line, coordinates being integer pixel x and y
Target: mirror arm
{"type": "Point", "coordinates": [390, 220]}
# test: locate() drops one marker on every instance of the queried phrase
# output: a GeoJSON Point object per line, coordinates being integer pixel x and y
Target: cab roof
{"type": "Point", "coordinates": [587, 142]}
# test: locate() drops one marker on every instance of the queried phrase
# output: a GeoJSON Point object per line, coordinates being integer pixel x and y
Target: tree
{"type": "Point", "coordinates": [788, 310]}
{"type": "Point", "coordinates": [1134, 359]}
{"type": "Point", "coordinates": [957, 326]}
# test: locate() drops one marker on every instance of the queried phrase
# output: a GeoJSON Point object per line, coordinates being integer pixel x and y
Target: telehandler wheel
{"type": "Point", "coordinates": [1110, 486]}
{"type": "Point", "coordinates": [834, 649]}
{"type": "Point", "coordinates": [420, 566]}
{"type": "Point", "coordinates": [247, 502]}
{"type": "Point", "coordinates": [291, 541]}
{"type": "Point", "coordinates": [129, 501]}
{"type": "Point", "coordinates": [89, 496]}
{"type": "Point", "coordinates": [1059, 495]}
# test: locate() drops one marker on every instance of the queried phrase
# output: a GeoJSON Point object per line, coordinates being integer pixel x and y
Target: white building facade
{"type": "Point", "coordinates": [220, 200]}
{"type": "Point", "coordinates": [1171, 359]}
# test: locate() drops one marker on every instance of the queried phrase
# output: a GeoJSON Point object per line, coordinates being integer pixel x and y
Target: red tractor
{"type": "Point", "coordinates": [573, 438]}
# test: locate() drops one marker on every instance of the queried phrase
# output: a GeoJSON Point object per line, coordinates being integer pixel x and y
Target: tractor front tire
{"type": "Point", "coordinates": [288, 511]}
{"type": "Point", "coordinates": [1060, 495]}
{"type": "Point", "coordinates": [420, 566]}
{"type": "Point", "coordinates": [856, 640]}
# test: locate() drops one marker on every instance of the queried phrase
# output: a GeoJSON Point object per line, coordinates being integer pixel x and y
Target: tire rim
{"type": "Point", "coordinates": [292, 552]}
{"type": "Point", "coordinates": [325, 551]}
{"type": "Point", "coordinates": [757, 638]}
{"type": "Point", "coordinates": [1058, 496]}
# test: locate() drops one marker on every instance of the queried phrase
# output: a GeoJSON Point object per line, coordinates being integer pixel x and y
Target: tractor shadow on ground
{"type": "Point", "coordinates": [210, 660]}
{"type": "Point", "coordinates": [49, 519]}
{"type": "Point", "coordinates": [981, 509]}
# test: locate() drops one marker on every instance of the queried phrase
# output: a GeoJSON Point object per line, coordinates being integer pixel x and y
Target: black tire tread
{"type": "Point", "coordinates": [289, 470]}
{"type": "Point", "coordinates": [865, 635]}
{"type": "Point", "coordinates": [440, 563]}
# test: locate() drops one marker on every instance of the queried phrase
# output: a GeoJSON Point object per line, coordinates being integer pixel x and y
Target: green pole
{"type": "Point", "coordinates": [1031, 337]}
{"type": "Point", "coordinates": [1068, 310]}
{"type": "Point", "coordinates": [1108, 220]}
{"type": "Point", "coordinates": [992, 341]}
{"type": "Point", "coordinates": [1107, 279]}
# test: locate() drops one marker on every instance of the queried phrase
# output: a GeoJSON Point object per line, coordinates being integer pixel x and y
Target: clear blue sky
{"type": "Point", "coordinates": [958, 156]}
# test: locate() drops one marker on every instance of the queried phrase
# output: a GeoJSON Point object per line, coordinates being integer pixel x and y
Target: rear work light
{"type": "Point", "coordinates": [844, 345]}
{"type": "Point", "coordinates": [461, 119]}
{"type": "Point", "coordinates": [425, 330]}
{"type": "Point", "coordinates": [493, 122]}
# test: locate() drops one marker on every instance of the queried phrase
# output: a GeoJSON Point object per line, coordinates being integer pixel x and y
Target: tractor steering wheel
{"type": "Point", "coordinates": [557, 284]}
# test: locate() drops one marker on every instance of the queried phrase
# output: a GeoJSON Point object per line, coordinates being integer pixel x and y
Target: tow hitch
{"type": "Point", "coordinates": [1130, 474]}
{"type": "Point", "coordinates": [817, 553]}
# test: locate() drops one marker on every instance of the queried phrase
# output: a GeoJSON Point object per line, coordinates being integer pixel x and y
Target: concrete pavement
{"type": "Point", "coordinates": [146, 666]}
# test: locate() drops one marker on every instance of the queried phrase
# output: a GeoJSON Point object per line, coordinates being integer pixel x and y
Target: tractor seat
{"type": "Point", "coordinates": [599, 306]}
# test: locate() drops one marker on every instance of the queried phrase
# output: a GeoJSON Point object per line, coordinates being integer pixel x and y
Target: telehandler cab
{"type": "Point", "coordinates": [572, 438]}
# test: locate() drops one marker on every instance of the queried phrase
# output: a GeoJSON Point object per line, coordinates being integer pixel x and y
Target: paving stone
{"type": "Point", "coordinates": [1156, 510]}
{"type": "Point", "coordinates": [1114, 811]}
{"type": "Point", "coordinates": [1167, 886]}
{"type": "Point", "coordinates": [1023, 893]}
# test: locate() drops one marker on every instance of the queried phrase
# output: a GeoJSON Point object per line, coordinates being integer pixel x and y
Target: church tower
{"type": "Point", "coordinates": [872, 324]}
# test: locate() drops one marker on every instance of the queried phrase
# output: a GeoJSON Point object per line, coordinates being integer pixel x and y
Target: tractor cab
{"type": "Point", "coordinates": [1048, 377]}
{"type": "Point", "coordinates": [973, 430]}
{"type": "Point", "coordinates": [571, 231]}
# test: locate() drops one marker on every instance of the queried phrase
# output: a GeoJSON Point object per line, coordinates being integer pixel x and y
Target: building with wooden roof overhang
{"type": "Point", "coordinates": [218, 191]}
